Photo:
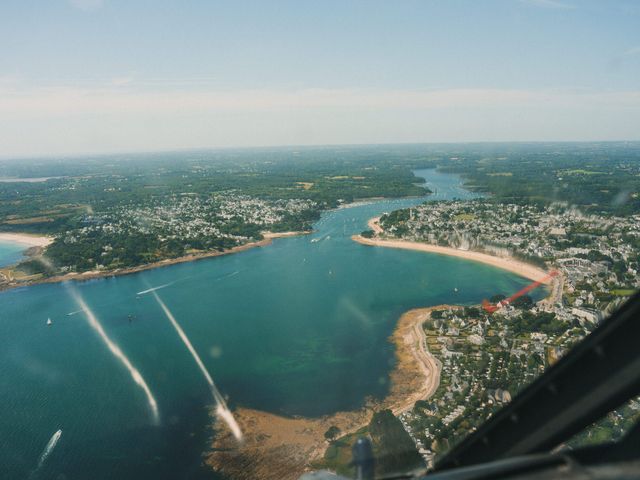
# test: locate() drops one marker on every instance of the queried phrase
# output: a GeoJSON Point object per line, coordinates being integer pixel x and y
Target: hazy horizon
{"type": "Point", "coordinates": [87, 77]}
{"type": "Point", "coordinates": [73, 156]}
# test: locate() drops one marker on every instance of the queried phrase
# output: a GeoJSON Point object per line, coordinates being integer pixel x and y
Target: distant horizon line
{"type": "Point", "coordinates": [71, 156]}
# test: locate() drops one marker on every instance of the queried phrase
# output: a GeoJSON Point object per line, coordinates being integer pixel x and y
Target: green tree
{"type": "Point", "coordinates": [332, 433]}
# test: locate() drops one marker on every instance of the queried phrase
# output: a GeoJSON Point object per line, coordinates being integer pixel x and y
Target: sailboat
{"type": "Point", "coordinates": [49, 322]}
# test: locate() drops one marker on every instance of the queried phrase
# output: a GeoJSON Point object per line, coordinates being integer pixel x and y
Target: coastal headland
{"type": "Point", "coordinates": [11, 280]}
{"type": "Point", "coordinates": [278, 447]}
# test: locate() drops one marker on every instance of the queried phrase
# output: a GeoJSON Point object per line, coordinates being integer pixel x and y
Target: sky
{"type": "Point", "coordinates": [101, 76]}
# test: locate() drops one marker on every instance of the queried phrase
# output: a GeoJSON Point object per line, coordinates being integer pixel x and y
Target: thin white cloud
{"type": "Point", "coordinates": [553, 4]}
{"type": "Point", "coordinates": [87, 5]}
{"type": "Point", "coordinates": [9, 80]}
{"type": "Point", "coordinates": [631, 52]}
{"type": "Point", "coordinates": [67, 100]}
{"type": "Point", "coordinates": [121, 81]}
{"type": "Point", "coordinates": [68, 120]}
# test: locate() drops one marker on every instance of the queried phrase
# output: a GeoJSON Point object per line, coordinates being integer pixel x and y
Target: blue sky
{"type": "Point", "coordinates": [99, 76]}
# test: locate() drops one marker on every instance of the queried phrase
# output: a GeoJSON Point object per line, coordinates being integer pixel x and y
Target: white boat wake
{"type": "Point", "coordinates": [119, 354]}
{"type": "Point", "coordinates": [149, 290]}
{"type": "Point", "coordinates": [222, 410]}
{"type": "Point", "coordinates": [51, 444]}
{"type": "Point", "coordinates": [228, 275]}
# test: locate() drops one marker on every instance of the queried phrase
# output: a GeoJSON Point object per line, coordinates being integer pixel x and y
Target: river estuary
{"type": "Point", "coordinates": [299, 327]}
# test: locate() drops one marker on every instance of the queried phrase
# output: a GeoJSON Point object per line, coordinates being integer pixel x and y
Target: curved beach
{"type": "Point", "coordinates": [26, 239]}
{"type": "Point", "coordinates": [518, 267]}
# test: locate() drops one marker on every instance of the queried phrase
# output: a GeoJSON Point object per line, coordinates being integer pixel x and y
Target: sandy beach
{"type": "Point", "coordinates": [277, 447]}
{"type": "Point", "coordinates": [523, 269]}
{"type": "Point", "coordinates": [26, 239]}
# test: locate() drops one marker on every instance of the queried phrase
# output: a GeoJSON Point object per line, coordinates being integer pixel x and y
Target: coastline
{"type": "Point", "coordinates": [518, 267]}
{"type": "Point", "coordinates": [278, 447]}
{"type": "Point", "coordinates": [30, 240]}
{"type": "Point", "coordinates": [95, 274]}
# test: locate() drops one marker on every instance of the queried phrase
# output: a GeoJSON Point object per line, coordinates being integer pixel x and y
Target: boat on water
{"type": "Point", "coordinates": [314, 240]}
{"type": "Point", "coordinates": [49, 322]}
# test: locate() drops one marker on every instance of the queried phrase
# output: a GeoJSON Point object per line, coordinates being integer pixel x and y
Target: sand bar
{"type": "Point", "coordinates": [26, 239]}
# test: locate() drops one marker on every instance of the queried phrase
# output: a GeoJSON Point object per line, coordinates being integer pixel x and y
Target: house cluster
{"type": "Point", "coordinates": [189, 216]}
{"type": "Point", "coordinates": [598, 255]}
{"type": "Point", "coordinates": [486, 359]}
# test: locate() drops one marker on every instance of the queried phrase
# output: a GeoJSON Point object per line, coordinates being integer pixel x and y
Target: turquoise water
{"type": "Point", "coordinates": [297, 328]}
{"type": "Point", "coordinates": [10, 253]}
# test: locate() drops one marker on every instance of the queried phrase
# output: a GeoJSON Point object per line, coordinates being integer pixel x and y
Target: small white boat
{"type": "Point", "coordinates": [49, 322]}
{"type": "Point", "coordinates": [314, 240]}
{"type": "Point", "coordinates": [455, 289]}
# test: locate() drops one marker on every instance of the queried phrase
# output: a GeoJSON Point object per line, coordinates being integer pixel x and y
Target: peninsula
{"type": "Point", "coordinates": [486, 357]}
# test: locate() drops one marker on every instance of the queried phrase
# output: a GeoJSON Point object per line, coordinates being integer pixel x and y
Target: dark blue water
{"type": "Point", "coordinates": [299, 327]}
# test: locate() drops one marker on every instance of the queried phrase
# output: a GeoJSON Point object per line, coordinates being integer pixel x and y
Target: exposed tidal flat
{"type": "Point", "coordinates": [299, 329]}
{"type": "Point", "coordinates": [279, 447]}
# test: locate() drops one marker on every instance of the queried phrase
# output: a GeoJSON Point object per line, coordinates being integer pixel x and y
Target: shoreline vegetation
{"type": "Point", "coordinates": [279, 447]}
{"type": "Point", "coordinates": [13, 282]}
{"type": "Point", "coordinates": [518, 267]}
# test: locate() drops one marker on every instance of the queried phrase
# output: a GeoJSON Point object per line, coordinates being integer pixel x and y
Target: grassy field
{"type": "Point", "coordinates": [623, 292]}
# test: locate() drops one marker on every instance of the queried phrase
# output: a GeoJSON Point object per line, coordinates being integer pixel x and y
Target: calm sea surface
{"type": "Point", "coordinates": [296, 328]}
